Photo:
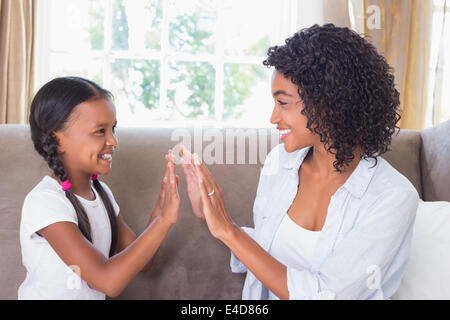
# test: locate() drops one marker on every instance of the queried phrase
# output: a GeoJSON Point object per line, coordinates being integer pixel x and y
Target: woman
{"type": "Point", "coordinates": [334, 220]}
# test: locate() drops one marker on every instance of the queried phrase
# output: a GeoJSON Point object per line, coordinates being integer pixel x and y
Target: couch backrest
{"type": "Point", "coordinates": [435, 162]}
{"type": "Point", "coordinates": [190, 264]}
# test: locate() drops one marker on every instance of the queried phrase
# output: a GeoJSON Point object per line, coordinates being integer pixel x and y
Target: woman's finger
{"type": "Point", "coordinates": [200, 173]}
{"type": "Point", "coordinates": [204, 197]}
{"type": "Point", "coordinates": [202, 170]}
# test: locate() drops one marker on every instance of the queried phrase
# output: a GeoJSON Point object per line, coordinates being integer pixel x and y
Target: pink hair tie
{"type": "Point", "coordinates": [94, 177]}
{"type": "Point", "coordinates": [66, 185]}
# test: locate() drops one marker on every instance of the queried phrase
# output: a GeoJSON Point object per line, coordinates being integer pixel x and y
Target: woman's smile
{"type": "Point", "coordinates": [284, 133]}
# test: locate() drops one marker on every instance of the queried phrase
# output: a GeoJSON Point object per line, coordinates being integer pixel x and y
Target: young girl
{"type": "Point", "coordinates": [75, 245]}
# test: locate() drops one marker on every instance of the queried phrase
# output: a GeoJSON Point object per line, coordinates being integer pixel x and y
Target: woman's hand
{"type": "Point", "coordinates": [217, 218]}
{"type": "Point", "coordinates": [168, 203]}
{"type": "Point", "coordinates": [187, 163]}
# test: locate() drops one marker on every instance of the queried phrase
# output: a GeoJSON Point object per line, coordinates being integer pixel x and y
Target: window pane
{"type": "Point", "coordinates": [190, 93]}
{"type": "Point", "coordinates": [136, 24]}
{"type": "Point", "coordinates": [137, 79]}
{"type": "Point", "coordinates": [63, 64]}
{"type": "Point", "coordinates": [247, 24]}
{"type": "Point", "coordinates": [77, 25]}
{"type": "Point", "coordinates": [135, 85]}
{"type": "Point", "coordinates": [119, 26]}
{"type": "Point", "coordinates": [192, 25]}
{"type": "Point", "coordinates": [247, 95]}
{"type": "Point", "coordinates": [96, 13]}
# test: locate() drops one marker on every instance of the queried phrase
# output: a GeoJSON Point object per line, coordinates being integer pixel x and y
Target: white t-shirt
{"type": "Point", "coordinates": [293, 246]}
{"type": "Point", "coordinates": [48, 277]}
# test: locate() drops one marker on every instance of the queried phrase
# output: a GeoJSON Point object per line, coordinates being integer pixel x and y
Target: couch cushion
{"type": "Point", "coordinates": [190, 264]}
{"type": "Point", "coordinates": [21, 168]}
{"type": "Point", "coordinates": [405, 155]}
{"type": "Point", "coordinates": [435, 161]}
{"type": "Point", "coordinates": [427, 275]}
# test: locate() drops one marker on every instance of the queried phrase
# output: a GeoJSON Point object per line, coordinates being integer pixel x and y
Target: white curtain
{"type": "Point", "coordinates": [295, 15]}
{"type": "Point", "coordinates": [440, 78]}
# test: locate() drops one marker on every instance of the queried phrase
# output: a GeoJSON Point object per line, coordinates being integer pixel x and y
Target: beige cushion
{"type": "Point", "coordinates": [427, 275]}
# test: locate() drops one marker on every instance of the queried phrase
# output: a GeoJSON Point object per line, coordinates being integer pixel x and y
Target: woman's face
{"type": "Point", "coordinates": [88, 136]}
{"type": "Point", "coordinates": [286, 114]}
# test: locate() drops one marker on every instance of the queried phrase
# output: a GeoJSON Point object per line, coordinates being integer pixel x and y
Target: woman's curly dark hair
{"type": "Point", "coordinates": [347, 89]}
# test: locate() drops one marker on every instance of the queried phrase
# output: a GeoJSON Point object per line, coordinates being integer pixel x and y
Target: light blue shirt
{"type": "Point", "coordinates": [364, 245]}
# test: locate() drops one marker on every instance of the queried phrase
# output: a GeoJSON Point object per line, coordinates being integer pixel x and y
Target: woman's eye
{"type": "Point", "coordinates": [101, 131]}
{"type": "Point", "coordinates": [281, 103]}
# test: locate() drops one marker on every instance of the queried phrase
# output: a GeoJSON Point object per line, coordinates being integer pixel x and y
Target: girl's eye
{"type": "Point", "coordinates": [102, 131]}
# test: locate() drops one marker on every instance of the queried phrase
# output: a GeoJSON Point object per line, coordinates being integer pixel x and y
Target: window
{"type": "Point", "coordinates": [168, 62]}
{"type": "Point", "coordinates": [439, 52]}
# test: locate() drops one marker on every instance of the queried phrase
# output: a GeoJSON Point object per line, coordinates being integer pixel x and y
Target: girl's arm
{"type": "Point", "coordinates": [126, 236]}
{"type": "Point", "coordinates": [112, 275]}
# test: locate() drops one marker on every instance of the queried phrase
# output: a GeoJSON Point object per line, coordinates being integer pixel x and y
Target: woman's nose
{"type": "Point", "coordinates": [275, 117]}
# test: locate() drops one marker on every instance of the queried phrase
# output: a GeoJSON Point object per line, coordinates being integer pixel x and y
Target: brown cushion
{"type": "Point", "coordinates": [435, 162]}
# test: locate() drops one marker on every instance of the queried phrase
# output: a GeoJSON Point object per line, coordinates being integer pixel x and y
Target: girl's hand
{"type": "Point", "coordinates": [217, 218]}
{"type": "Point", "coordinates": [166, 191]}
{"type": "Point", "coordinates": [187, 163]}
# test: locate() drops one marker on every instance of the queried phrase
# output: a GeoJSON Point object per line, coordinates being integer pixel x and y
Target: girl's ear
{"type": "Point", "coordinates": [59, 138]}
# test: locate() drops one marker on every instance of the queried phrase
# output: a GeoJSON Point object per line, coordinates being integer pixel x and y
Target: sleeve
{"type": "Point", "coordinates": [41, 209]}
{"type": "Point", "coordinates": [111, 197]}
{"type": "Point", "coordinates": [236, 265]}
{"type": "Point", "coordinates": [267, 171]}
{"type": "Point", "coordinates": [367, 250]}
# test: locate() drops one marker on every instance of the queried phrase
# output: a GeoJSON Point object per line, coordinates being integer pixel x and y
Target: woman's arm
{"type": "Point", "coordinates": [377, 247]}
{"type": "Point", "coordinates": [112, 275]}
{"type": "Point", "coordinates": [267, 269]}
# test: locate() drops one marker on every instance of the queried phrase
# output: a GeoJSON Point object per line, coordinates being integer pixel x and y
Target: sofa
{"type": "Point", "coordinates": [190, 263]}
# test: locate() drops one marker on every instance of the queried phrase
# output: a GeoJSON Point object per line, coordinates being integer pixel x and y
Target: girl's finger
{"type": "Point", "coordinates": [164, 182]}
{"type": "Point", "coordinates": [172, 156]}
{"type": "Point", "coordinates": [166, 170]}
{"type": "Point", "coordinates": [173, 187]}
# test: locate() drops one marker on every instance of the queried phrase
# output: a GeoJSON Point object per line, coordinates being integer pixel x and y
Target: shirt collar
{"type": "Point", "coordinates": [356, 184]}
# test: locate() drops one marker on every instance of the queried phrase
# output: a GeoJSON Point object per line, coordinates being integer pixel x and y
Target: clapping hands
{"type": "Point", "coordinates": [168, 203]}
{"type": "Point", "coordinates": [205, 195]}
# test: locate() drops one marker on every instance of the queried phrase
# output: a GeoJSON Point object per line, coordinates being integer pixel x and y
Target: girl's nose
{"type": "Point", "coordinates": [112, 140]}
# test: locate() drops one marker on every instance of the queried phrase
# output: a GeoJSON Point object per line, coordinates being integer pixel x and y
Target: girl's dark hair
{"type": "Point", "coordinates": [347, 89]}
{"type": "Point", "coordinates": [50, 110]}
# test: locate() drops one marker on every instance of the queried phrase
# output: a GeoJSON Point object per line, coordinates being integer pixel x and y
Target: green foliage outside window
{"type": "Point", "coordinates": [187, 35]}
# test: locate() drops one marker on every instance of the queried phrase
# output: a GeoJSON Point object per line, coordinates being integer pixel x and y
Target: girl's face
{"type": "Point", "coordinates": [286, 114]}
{"type": "Point", "coordinates": [88, 135]}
